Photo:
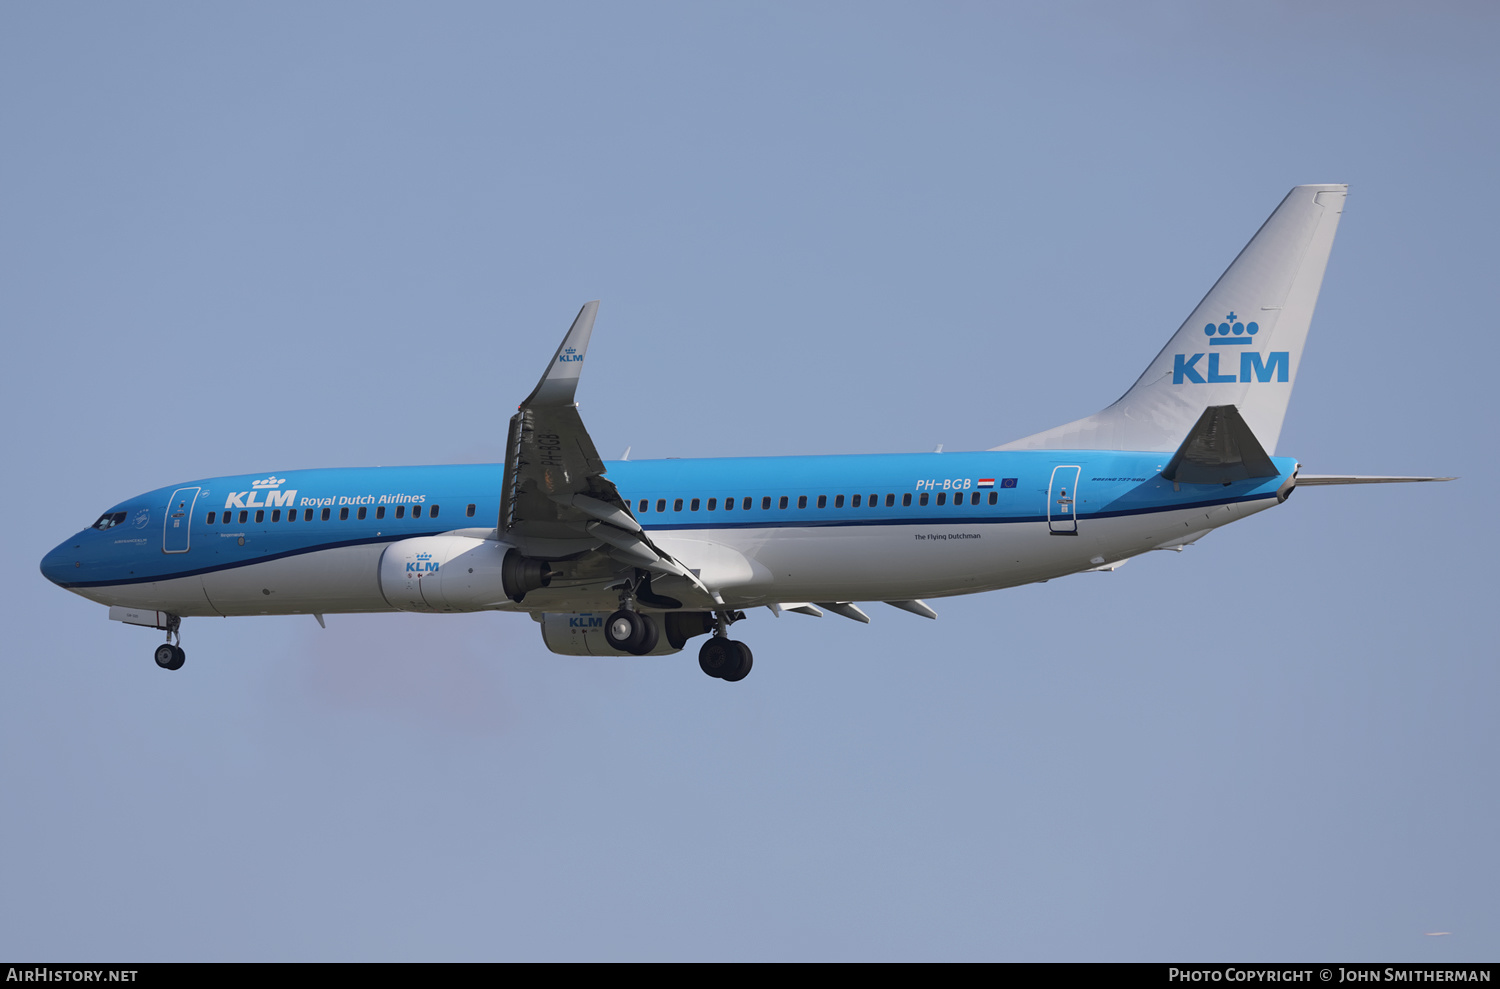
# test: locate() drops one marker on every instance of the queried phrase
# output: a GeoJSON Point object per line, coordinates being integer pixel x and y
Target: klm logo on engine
{"type": "Point", "coordinates": [1253, 366]}
{"type": "Point", "coordinates": [268, 486]}
{"type": "Point", "coordinates": [423, 564]}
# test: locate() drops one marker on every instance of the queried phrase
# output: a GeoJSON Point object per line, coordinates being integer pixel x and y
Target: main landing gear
{"type": "Point", "coordinates": [169, 656]}
{"type": "Point", "coordinates": [632, 632]}
{"type": "Point", "coordinates": [723, 657]}
{"type": "Point", "coordinates": [627, 630]}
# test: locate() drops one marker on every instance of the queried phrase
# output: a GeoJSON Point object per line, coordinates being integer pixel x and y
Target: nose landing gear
{"type": "Point", "coordinates": [169, 656]}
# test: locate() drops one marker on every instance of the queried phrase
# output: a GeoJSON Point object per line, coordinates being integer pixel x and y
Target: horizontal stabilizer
{"type": "Point", "coordinates": [1319, 479]}
{"type": "Point", "coordinates": [1219, 449]}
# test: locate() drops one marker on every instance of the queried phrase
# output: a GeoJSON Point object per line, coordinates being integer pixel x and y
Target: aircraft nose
{"type": "Point", "coordinates": [61, 564]}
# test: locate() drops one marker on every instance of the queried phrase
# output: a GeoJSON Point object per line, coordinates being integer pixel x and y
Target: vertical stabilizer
{"type": "Point", "coordinates": [1241, 346]}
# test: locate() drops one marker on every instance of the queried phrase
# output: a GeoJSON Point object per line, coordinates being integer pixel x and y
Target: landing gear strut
{"type": "Point", "coordinates": [723, 657]}
{"type": "Point", "coordinates": [168, 656]}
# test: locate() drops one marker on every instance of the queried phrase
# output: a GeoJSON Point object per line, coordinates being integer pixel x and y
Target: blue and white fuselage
{"type": "Point", "coordinates": [843, 528]}
{"type": "Point", "coordinates": [639, 557]}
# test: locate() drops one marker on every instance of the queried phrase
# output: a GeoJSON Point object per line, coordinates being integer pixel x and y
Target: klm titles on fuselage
{"type": "Point", "coordinates": [1253, 367]}
{"type": "Point", "coordinates": [288, 498]}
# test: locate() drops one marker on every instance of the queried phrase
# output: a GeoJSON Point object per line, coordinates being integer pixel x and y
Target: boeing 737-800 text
{"type": "Point", "coordinates": [638, 557]}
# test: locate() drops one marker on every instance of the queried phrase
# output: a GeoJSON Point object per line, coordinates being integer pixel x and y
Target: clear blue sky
{"type": "Point", "coordinates": [245, 238]}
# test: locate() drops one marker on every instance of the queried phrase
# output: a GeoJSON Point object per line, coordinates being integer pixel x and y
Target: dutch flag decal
{"type": "Point", "coordinates": [986, 482]}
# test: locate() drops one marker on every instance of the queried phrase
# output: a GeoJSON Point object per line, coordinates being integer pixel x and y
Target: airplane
{"type": "Point", "coordinates": [638, 557]}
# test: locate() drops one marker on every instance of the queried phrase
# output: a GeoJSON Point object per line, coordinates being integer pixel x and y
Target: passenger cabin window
{"type": "Point", "coordinates": [713, 503]}
{"type": "Point", "coordinates": [728, 504]}
{"type": "Point", "coordinates": [942, 498]}
{"type": "Point", "coordinates": [344, 514]}
{"type": "Point", "coordinates": [677, 505]}
{"type": "Point", "coordinates": [838, 501]}
{"type": "Point", "coordinates": [211, 517]}
{"type": "Point", "coordinates": [923, 499]}
{"type": "Point", "coordinates": [765, 503]}
{"type": "Point", "coordinates": [326, 513]}
{"type": "Point", "coordinates": [470, 512]}
{"type": "Point", "coordinates": [361, 513]}
{"type": "Point", "coordinates": [243, 517]}
{"type": "Point", "coordinates": [661, 504]}
{"type": "Point", "coordinates": [974, 500]}
{"type": "Point", "coordinates": [109, 520]}
{"type": "Point", "coordinates": [994, 497]}
{"type": "Point", "coordinates": [906, 500]}
{"type": "Point", "coordinates": [693, 505]}
{"type": "Point", "coordinates": [400, 512]}
{"type": "Point", "coordinates": [307, 515]}
{"type": "Point", "coordinates": [433, 513]}
{"type": "Point", "coordinates": [890, 501]}
{"type": "Point", "coordinates": [802, 501]}
{"type": "Point", "coordinates": [822, 501]}
{"type": "Point", "coordinates": [746, 505]}
{"type": "Point", "coordinates": [642, 506]}
{"type": "Point", "coordinates": [782, 503]}
{"type": "Point", "coordinates": [276, 515]}
{"type": "Point", "coordinates": [856, 501]}
{"type": "Point", "coordinates": [416, 511]}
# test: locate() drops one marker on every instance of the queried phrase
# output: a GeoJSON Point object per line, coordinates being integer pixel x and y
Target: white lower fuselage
{"type": "Point", "coordinates": [748, 566]}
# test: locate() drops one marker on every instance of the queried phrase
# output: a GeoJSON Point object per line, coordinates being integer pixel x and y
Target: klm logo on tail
{"type": "Point", "coordinates": [1253, 367]}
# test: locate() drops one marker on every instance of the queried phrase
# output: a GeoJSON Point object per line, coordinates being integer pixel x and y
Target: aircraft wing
{"type": "Point", "coordinates": [554, 487]}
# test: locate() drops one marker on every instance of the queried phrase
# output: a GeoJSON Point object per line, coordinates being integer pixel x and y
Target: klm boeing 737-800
{"type": "Point", "coordinates": [638, 557]}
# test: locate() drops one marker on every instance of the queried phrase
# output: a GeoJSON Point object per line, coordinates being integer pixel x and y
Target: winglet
{"type": "Point", "coordinates": [560, 380]}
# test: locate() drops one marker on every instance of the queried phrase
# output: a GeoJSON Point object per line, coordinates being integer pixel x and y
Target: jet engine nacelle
{"type": "Point", "coordinates": [583, 634]}
{"type": "Point", "coordinates": [457, 573]}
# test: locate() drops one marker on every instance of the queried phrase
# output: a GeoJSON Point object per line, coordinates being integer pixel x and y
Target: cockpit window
{"type": "Point", "coordinates": [109, 520]}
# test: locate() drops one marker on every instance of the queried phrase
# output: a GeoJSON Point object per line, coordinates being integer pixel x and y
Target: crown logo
{"type": "Point", "coordinates": [270, 482]}
{"type": "Point", "coordinates": [1231, 332]}
{"type": "Point", "coordinates": [424, 556]}
{"type": "Point", "coordinates": [570, 350]}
